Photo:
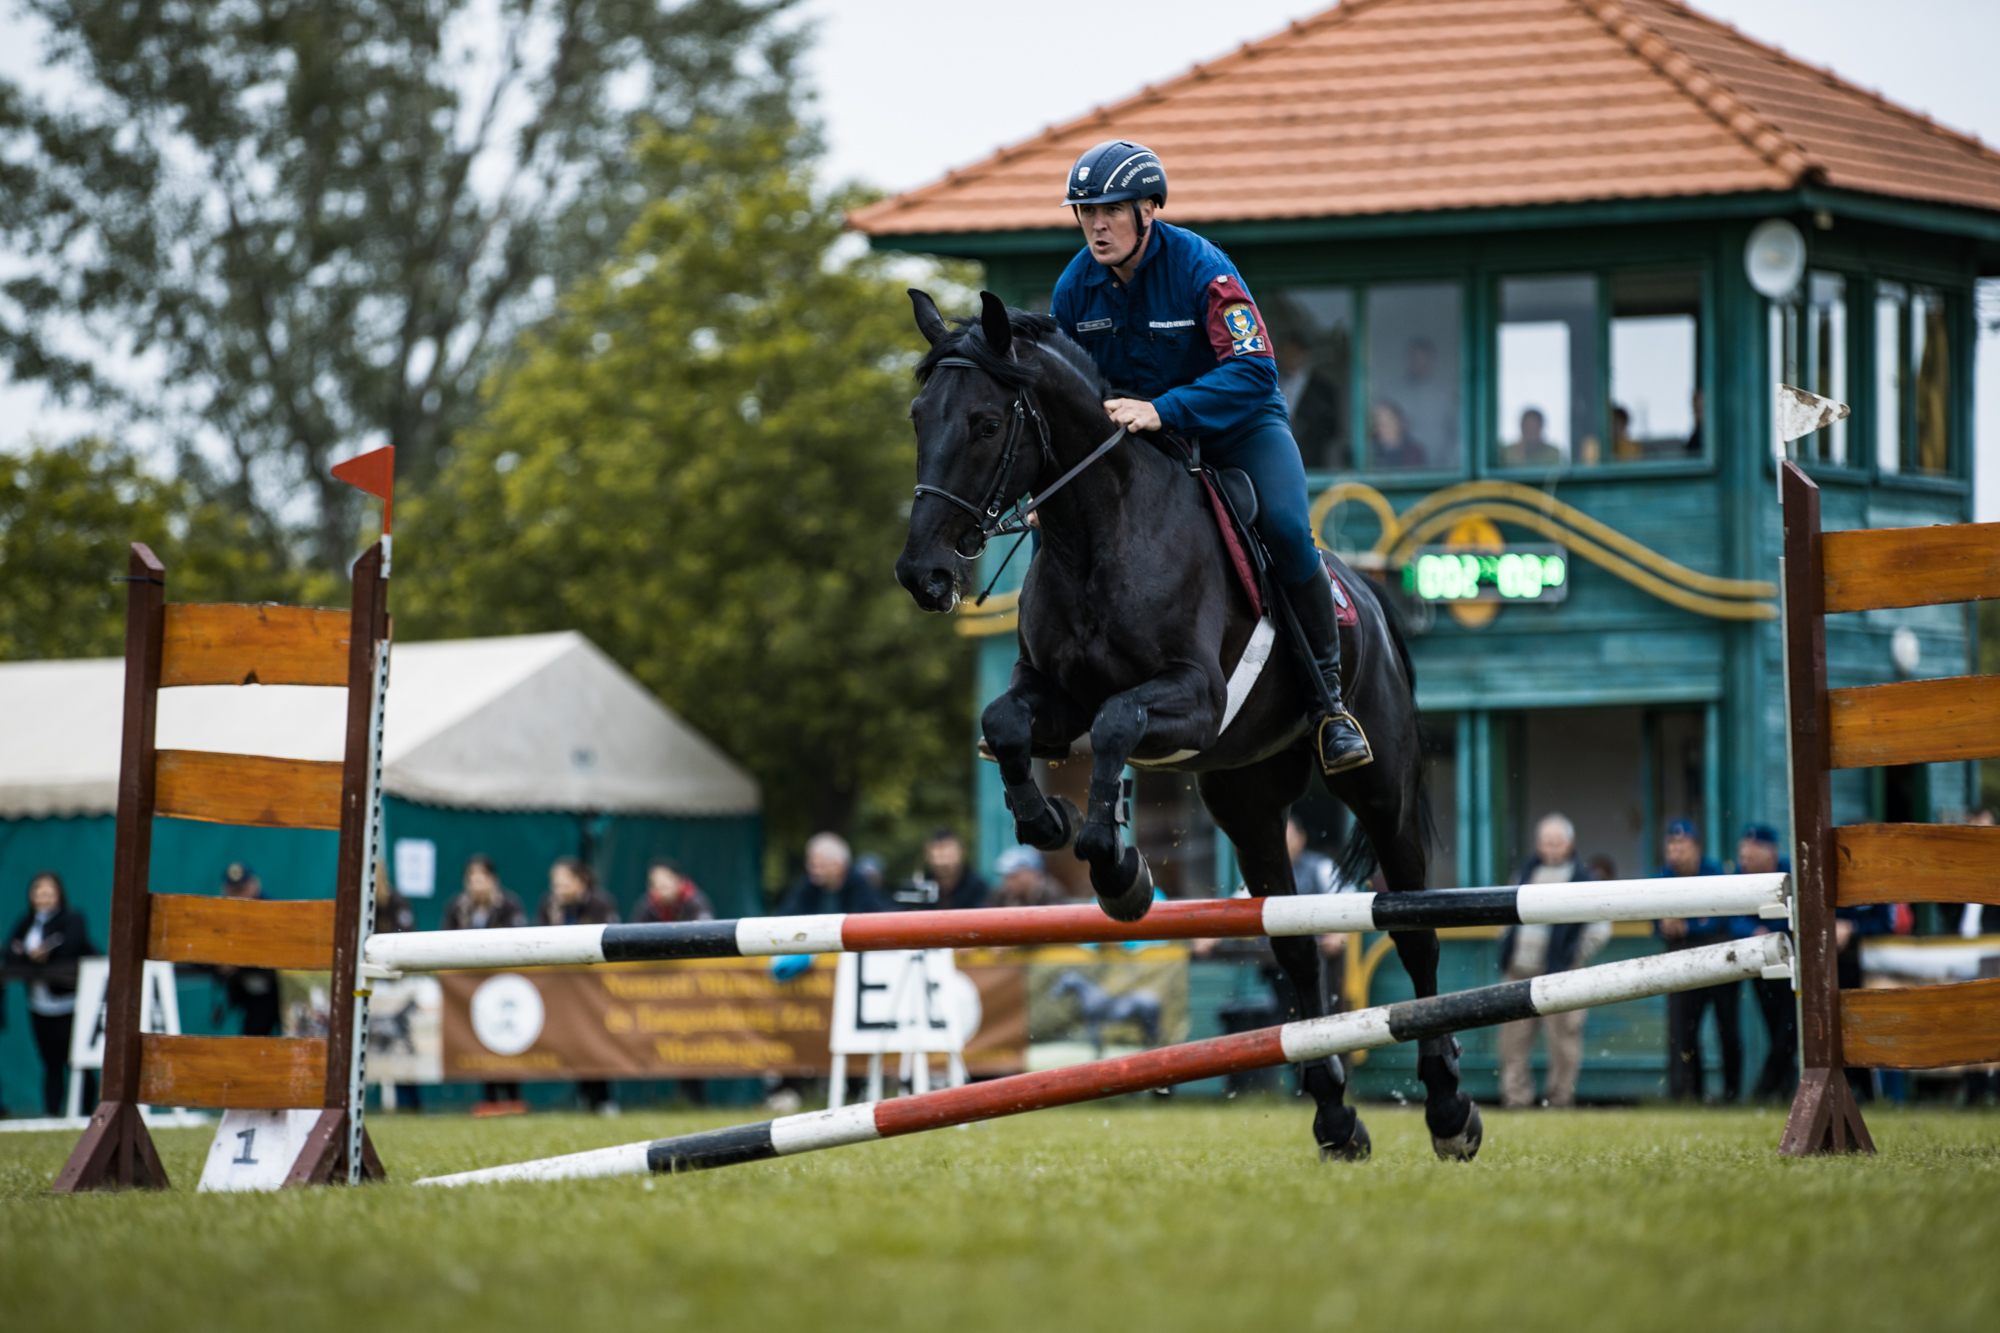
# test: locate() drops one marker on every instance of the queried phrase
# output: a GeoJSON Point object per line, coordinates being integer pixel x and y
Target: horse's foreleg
{"type": "Point", "coordinates": [1009, 726]}
{"type": "Point", "coordinates": [1173, 712]}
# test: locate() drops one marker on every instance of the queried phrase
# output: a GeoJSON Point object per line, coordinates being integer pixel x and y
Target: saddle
{"type": "Point", "coordinates": [1232, 498]}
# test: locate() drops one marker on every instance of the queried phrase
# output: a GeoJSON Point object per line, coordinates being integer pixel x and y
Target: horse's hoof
{"type": "Point", "coordinates": [1132, 902]}
{"type": "Point", "coordinates": [1464, 1145]}
{"type": "Point", "coordinates": [1341, 1135]}
{"type": "Point", "coordinates": [1357, 1148]}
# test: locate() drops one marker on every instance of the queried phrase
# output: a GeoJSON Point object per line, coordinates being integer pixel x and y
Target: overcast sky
{"type": "Point", "coordinates": [909, 89]}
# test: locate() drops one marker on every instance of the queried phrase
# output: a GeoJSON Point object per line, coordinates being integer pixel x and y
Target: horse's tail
{"type": "Point", "coordinates": [1357, 859]}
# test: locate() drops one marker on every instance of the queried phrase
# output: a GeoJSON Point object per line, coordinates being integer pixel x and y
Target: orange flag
{"type": "Point", "coordinates": [375, 473]}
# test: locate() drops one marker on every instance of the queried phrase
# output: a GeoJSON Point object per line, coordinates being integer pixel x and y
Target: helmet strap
{"type": "Point", "coordinates": [1144, 230]}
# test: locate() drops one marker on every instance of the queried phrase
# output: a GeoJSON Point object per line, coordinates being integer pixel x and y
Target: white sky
{"type": "Point", "coordinates": [900, 90]}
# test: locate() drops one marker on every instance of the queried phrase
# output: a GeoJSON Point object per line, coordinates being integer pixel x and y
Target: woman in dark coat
{"type": "Point", "coordinates": [47, 940]}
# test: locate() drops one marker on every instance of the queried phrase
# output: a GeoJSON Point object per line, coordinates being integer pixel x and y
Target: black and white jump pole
{"type": "Point", "coordinates": [765, 936]}
{"type": "Point", "coordinates": [1291, 1043]}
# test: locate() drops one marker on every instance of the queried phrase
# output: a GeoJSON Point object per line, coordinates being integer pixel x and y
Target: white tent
{"type": "Point", "coordinates": [530, 722]}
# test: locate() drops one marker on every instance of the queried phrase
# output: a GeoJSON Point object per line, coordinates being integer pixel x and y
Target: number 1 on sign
{"type": "Point", "coordinates": [249, 1137]}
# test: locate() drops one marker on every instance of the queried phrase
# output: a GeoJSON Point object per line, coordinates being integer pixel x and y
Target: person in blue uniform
{"type": "Point", "coordinates": [1174, 330]}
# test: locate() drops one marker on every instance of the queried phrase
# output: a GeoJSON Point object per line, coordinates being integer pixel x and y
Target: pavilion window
{"type": "Point", "coordinates": [1548, 393]}
{"type": "Point", "coordinates": [1912, 407]}
{"type": "Point", "coordinates": [1656, 398]}
{"type": "Point", "coordinates": [1809, 350]}
{"type": "Point", "coordinates": [1412, 421]}
{"type": "Point", "coordinates": [1312, 330]}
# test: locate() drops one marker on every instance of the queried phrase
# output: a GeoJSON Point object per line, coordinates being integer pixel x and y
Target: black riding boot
{"type": "Point", "coordinates": [1336, 735]}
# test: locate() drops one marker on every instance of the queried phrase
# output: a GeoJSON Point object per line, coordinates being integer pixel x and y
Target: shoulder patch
{"type": "Point", "coordinates": [1245, 334]}
{"type": "Point", "coordinates": [1092, 325]}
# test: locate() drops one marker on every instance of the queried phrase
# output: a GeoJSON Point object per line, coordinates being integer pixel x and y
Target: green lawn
{"type": "Point", "coordinates": [1134, 1216]}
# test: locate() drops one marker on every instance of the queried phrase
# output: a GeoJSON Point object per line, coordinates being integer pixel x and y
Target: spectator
{"type": "Point", "coordinates": [1389, 442]}
{"type": "Point", "coordinates": [254, 990]}
{"type": "Point", "coordinates": [946, 882]}
{"type": "Point", "coordinates": [485, 904]}
{"type": "Point", "coordinates": [393, 916]}
{"type": "Point", "coordinates": [1533, 448]}
{"type": "Point", "coordinates": [1531, 951]}
{"type": "Point", "coordinates": [393, 913]}
{"type": "Point", "coordinates": [829, 883]}
{"type": "Point", "coordinates": [1685, 1010]}
{"type": "Point", "coordinates": [52, 932]}
{"type": "Point", "coordinates": [1022, 880]}
{"type": "Point", "coordinates": [671, 896]}
{"type": "Point", "coordinates": [1851, 925]}
{"type": "Point", "coordinates": [574, 899]}
{"type": "Point", "coordinates": [1313, 403]}
{"type": "Point", "coordinates": [1972, 920]}
{"type": "Point", "coordinates": [1757, 854]}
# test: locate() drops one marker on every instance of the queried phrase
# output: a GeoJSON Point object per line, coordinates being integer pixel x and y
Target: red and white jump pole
{"type": "Point", "coordinates": [1310, 1039]}
{"type": "Point", "coordinates": [985, 928]}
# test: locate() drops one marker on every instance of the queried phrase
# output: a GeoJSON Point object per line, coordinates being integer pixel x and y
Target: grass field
{"type": "Point", "coordinates": [1135, 1216]}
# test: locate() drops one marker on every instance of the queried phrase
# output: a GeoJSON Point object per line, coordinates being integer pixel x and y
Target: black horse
{"type": "Point", "coordinates": [1131, 622]}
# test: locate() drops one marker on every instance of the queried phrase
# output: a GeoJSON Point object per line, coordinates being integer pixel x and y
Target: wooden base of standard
{"type": "Point", "coordinates": [115, 1152]}
{"type": "Point", "coordinates": [1825, 1117]}
{"type": "Point", "coordinates": [323, 1159]}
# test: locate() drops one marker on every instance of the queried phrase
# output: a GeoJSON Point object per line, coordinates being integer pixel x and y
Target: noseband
{"type": "Point", "coordinates": [992, 523]}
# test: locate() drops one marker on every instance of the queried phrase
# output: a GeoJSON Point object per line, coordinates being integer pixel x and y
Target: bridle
{"type": "Point", "coordinates": [992, 523]}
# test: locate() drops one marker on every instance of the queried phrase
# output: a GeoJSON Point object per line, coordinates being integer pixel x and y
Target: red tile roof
{"type": "Point", "coordinates": [1389, 106]}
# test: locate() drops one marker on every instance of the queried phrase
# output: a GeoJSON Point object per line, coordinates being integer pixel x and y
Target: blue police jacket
{"type": "Point", "coordinates": [1707, 929]}
{"type": "Point", "coordinates": [1185, 334]}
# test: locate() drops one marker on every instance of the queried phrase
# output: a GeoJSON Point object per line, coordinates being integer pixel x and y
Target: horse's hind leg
{"type": "Point", "coordinates": [1031, 709]}
{"type": "Point", "coordinates": [1393, 829]}
{"type": "Point", "coordinates": [1250, 804]}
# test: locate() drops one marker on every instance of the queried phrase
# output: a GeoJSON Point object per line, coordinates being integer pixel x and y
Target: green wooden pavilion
{"type": "Point", "coordinates": [1506, 248]}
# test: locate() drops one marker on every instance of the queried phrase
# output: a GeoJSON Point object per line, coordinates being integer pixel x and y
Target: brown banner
{"type": "Point", "coordinates": [713, 1018]}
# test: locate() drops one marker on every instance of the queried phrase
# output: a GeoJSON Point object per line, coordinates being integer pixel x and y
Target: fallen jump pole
{"type": "Point", "coordinates": [1309, 1039]}
{"type": "Point", "coordinates": [977, 928]}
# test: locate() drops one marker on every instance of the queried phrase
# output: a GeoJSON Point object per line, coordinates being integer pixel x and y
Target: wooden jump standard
{"type": "Point", "coordinates": [977, 928]}
{"type": "Point", "coordinates": [1947, 720]}
{"type": "Point", "coordinates": [1311, 1039]}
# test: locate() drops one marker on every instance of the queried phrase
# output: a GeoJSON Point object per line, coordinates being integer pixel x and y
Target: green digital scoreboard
{"type": "Point", "coordinates": [1518, 575]}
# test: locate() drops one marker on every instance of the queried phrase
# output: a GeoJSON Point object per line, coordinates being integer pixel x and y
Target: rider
{"type": "Point", "coordinates": [1167, 319]}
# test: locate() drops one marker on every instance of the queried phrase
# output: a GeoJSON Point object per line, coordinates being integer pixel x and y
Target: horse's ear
{"type": "Point", "coordinates": [929, 322]}
{"type": "Point", "coordinates": [993, 322]}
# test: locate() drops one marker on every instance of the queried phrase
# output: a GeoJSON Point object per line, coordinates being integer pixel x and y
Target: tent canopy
{"type": "Point", "coordinates": [528, 722]}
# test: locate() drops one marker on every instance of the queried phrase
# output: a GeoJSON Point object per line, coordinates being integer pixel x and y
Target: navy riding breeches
{"type": "Point", "coordinates": [1265, 449]}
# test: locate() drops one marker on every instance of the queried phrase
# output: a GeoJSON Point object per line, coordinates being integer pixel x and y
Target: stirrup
{"type": "Point", "coordinates": [1331, 765]}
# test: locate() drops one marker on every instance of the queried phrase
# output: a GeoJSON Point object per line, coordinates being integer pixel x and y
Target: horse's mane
{"type": "Point", "coordinates": [966, 339]}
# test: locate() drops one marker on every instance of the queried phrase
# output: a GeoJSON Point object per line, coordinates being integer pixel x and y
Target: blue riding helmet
{"type": "Point", "coordinates": [1115, 171]}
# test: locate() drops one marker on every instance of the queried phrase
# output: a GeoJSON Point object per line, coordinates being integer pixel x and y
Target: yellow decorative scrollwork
{"type": "Point", "coordinates": [1524, 506]}
{"type": "Point", "coordinates": [1499, 502]}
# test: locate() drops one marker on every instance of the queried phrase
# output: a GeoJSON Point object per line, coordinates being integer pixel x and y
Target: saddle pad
{"type": "Point", "coordinates": [1345, 611]}
{"type": "Point", "coordinates": [1239, 559]}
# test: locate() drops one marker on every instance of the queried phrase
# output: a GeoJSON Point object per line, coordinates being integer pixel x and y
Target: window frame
{"type": "Point", "coordinates": [1487, 454]}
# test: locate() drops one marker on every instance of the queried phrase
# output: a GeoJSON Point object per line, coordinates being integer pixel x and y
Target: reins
{"type": "Point", "coordinates": [992, 523]}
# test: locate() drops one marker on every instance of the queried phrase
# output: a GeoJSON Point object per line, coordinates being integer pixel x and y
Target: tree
{"type": "Point", "coordinates": [67, 518]}
{"type": "Point", "coordinates": [323, 221]}
{"type": "Point", "coordinates": [703, 463]}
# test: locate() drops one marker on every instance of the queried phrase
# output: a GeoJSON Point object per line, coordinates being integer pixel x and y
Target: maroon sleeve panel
{"type": "Point", "coordinates": [1235, 325]}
